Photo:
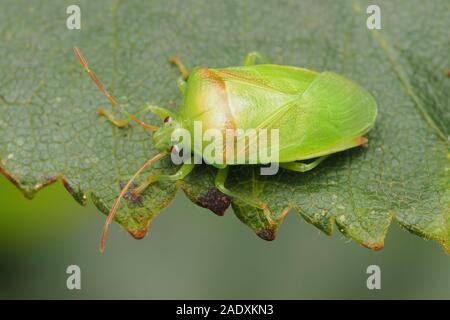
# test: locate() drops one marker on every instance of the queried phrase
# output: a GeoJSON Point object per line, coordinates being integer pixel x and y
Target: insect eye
{"type": "Point", "coordinates": [167, 119]}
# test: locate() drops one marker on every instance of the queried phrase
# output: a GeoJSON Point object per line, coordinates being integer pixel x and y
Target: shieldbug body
{"type": "Point", "coordinates": [316, 114]}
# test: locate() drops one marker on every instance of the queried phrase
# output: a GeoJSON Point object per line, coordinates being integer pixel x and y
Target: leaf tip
{"type": "Point", "coordinates": [79, 196]}
{"type": "Point", "coordinates": [268, 234]}
{"type": "Point", "coordinates": [376, 246]}
{"type": "Point", "coordinates": [29, 191]}
{"type": "Point", "coordinates": [139, 233]}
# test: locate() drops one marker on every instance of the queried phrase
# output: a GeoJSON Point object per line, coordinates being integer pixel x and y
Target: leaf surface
{"type": "Point", "coordinates": [49, 129]}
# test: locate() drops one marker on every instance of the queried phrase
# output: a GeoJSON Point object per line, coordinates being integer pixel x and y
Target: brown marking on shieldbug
{"type": "Point", "coordinates": [212, 77]}
{"type": "Point", "coordinates": [244, 77]}
{"type": "Point", "coordinates": [215, 201]}
{"type": "Point", "coordinates": [362, 141]}
{"type": "Point", "coordinates": [217, 95]}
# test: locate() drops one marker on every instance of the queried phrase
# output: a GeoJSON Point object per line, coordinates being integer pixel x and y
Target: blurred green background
{"type": "Point", "coordinates": [192, 254]}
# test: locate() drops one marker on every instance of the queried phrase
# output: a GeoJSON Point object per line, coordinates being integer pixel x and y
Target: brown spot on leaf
{"type": "Point", "coordinates": [79, 195]}
{"type": "Point", "coordinates": [133, 198]}
{"type": "Point", "coordinates": [266, 234]}
{"type": "Point", "coordinates": [212, 77]}
{"type": "Point", "coordinates": [215, 201]}
{"type": "Point", "coordinates": [68, 186]}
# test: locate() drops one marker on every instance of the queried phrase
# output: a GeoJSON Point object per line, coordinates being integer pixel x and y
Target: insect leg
{"type": "Point", "coordinates": [302, 167]}
{"type": "Point", "coordinates": [161, 112]}
{"type": "Point", "coordinates": [184, 170]}
{"type": "Point", "coordinates": [219, 182]}
{"type": "Point", "coordinates": [250, 58]}
{"type": "Point", "coordinates": [111, 99]}
{"type": "Point", "coordinates": [181, 82]}
{"type": "Point", "coordinates": [121, 123]}
{"type": "Point", "coordinates": [180, 65]}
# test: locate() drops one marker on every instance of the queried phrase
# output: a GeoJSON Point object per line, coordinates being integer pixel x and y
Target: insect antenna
{"type": "Point", "coordinates": [105, 92]}
{"type": "Point", "coordinates": [123, 192]}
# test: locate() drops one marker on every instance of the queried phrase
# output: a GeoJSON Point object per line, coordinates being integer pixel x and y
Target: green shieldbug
{"type": "Point", "coordinates": [316, 114]}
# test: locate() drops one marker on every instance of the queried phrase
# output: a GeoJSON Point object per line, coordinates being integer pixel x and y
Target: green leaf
{"type": "Point", "coordinates": [49, 129]}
